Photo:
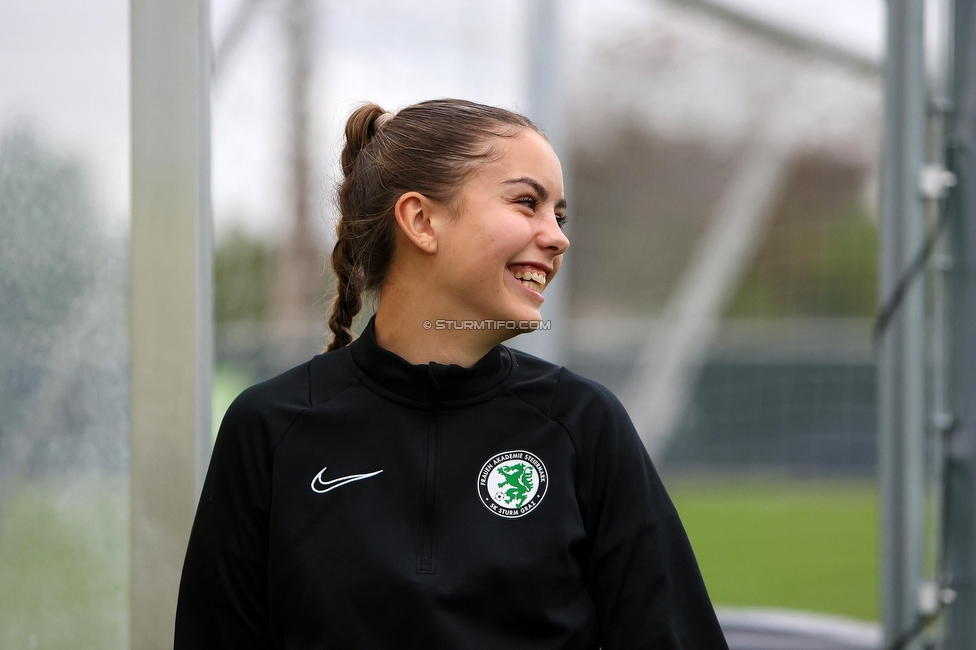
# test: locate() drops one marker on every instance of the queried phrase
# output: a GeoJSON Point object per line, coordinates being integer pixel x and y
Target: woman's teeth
{"type": "Point", "coordinates": [532, 279]}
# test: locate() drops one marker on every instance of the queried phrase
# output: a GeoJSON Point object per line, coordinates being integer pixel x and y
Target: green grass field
{"type": "Point", "coordinates": [64, 565]}
{"type": "Point", "coordinates": [805, 544]}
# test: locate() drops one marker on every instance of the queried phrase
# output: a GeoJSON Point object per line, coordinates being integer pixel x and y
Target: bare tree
{"type": "Point", "coordinates": [297, 287]}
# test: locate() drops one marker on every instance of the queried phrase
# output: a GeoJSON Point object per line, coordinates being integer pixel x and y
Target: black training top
{"type": "Point", "coordinates": [361, 501]}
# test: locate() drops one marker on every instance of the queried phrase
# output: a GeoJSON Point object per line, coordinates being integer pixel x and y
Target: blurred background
{"type": "Point", "coordinates": [722, 161]}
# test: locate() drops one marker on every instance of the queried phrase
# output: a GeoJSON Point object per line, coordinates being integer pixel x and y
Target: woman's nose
{"type": "Point", "coordinates": [553, 237]}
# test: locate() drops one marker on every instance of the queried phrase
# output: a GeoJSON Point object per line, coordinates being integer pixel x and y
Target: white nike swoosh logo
{"type": "Point", "coordinates": [320, 486]}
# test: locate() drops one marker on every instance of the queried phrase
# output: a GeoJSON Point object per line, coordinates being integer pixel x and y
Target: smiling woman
{"type": "Point", "coordinates": [428, 486]}
{"type": "Point", "coordinates": [408, 180]}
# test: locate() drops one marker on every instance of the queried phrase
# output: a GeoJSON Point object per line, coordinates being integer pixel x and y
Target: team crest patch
{"type": "Point", "coordinates": [513, 483]}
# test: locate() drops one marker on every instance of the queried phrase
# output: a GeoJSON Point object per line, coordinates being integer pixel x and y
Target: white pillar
{"type": "Point", "coordinates": [170, 301]}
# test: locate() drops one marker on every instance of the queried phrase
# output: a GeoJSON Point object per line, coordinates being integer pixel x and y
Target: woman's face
{"type": "Point", "coordinates": [506, 244]}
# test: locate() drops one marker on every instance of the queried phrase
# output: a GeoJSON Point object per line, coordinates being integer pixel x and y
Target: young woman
{"type": "Point", "coordinates": [425, 485]}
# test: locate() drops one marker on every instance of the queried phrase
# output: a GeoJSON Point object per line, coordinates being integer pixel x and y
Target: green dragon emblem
{"type": "Point", "coordinates": [520, 480]}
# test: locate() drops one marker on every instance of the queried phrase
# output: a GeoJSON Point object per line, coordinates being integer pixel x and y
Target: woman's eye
{"type": "Point", "coordinates": [561, 220]}
{"type": "Point", "coordinates": [527, 201]}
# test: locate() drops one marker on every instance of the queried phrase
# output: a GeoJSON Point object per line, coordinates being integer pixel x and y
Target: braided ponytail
{"type": "Point", "coordinates": [348, 300]}
{"type": "Point", "coordinates": [360, 129]}
{"type": "Point", "coordinates": [430, 148]}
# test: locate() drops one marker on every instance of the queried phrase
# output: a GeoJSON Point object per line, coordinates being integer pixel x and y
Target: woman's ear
{"type": "Point", "coordinates": [414, 212]}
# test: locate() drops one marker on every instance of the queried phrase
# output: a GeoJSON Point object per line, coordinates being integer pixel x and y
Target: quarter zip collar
{"type": "Point", "coordinates": [431, 384]}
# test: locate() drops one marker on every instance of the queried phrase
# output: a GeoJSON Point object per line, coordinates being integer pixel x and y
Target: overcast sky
{"type": "Point", "coordinates": [64, 71]}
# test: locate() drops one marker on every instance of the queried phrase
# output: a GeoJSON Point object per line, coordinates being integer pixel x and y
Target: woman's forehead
{"type": "Point", "coordinates": [524, 161]}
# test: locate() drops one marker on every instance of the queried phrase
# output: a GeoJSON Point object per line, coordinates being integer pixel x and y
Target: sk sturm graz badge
{"type": "Point", "coordinates": [512, 483]}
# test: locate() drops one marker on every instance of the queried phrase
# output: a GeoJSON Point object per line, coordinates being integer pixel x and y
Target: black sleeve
{"type": "Point", "coordinates": [223, 595]}
{"type": "Point", "coordinates": [640, 569]}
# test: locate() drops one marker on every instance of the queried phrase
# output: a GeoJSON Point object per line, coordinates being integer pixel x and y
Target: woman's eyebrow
{"type": "Point", "coordinates": [537, 186]}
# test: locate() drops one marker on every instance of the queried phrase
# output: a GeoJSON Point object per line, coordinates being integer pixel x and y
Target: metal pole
{"type": "Point", "coordinates": [960, 470]}
{"type": "Point", "coordinates": [902, 348]}
{"type": "Point", "coordinates": [545, 108]}
{"type": "Point", "coordinates": [170, 302]}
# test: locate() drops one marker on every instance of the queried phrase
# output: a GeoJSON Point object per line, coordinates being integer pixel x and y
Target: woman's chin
{"type": "Point", "coordinates": [524, 319]}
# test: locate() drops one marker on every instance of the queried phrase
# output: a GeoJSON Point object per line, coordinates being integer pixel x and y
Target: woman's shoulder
{"type": "Point", "coordinates": [273, 404]}
{"type": "Point", "coordinates": [588, 408]}
{"type": "Point", "coordinates": [593, 417]}
{"type": "Point", "coordinates": [295, 389]}
{"type": "Point", "coordinates": [572, 399]}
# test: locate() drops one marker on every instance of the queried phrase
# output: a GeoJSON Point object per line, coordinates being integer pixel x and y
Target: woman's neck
{"type": "Point", "coordinates": [406, 324]}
